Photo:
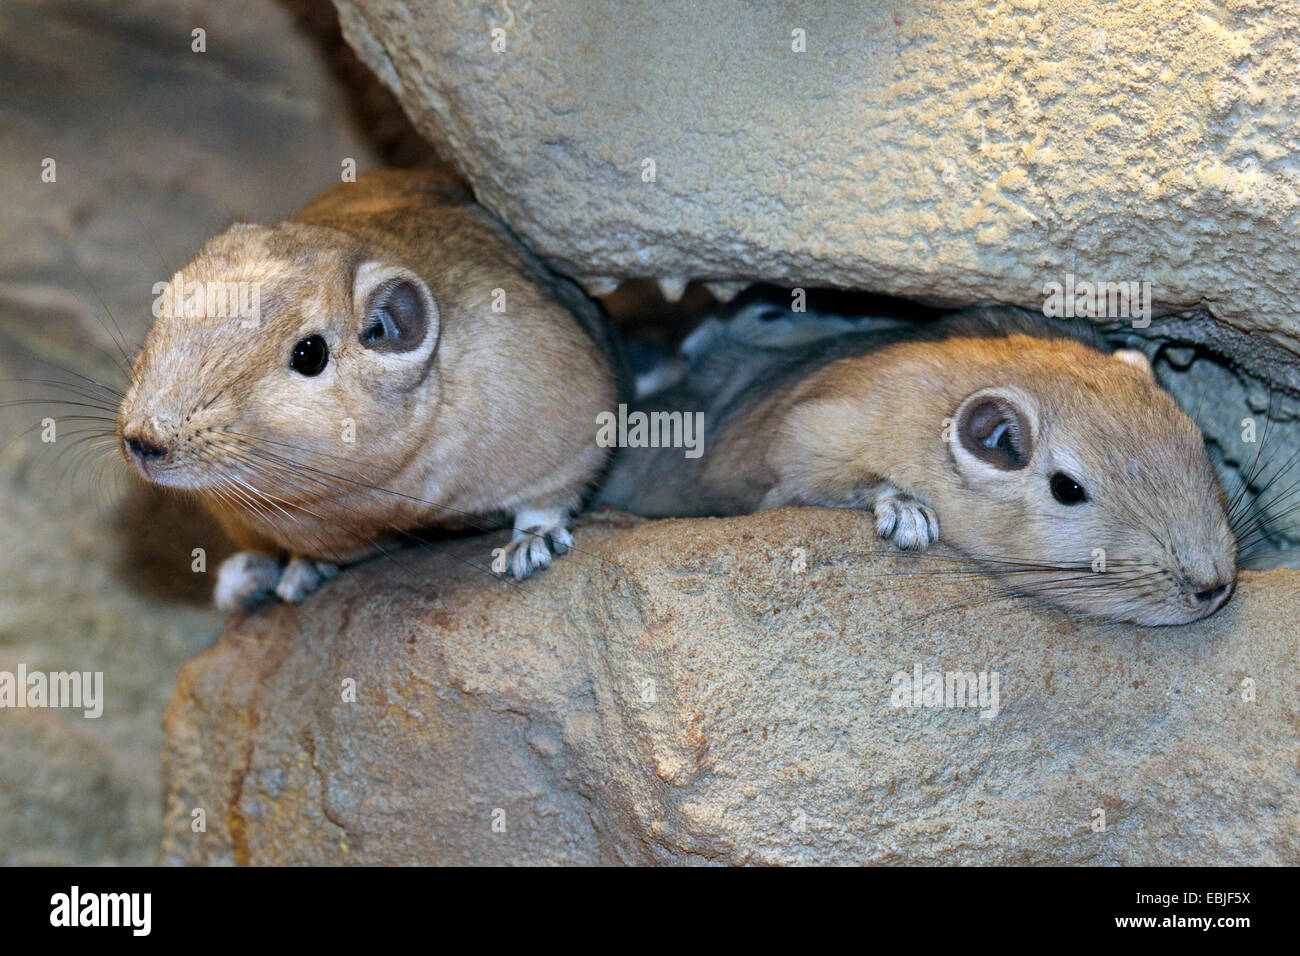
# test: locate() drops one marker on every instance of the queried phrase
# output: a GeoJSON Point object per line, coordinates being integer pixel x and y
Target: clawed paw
{"type": "Point", "coordinates": [302, 576]}
{"type": "Point", "coordinates": [249, 577]}
{"type": "Point", "coordinates": [905, 521]}
{"type": "Point", "coordinates": [538, 537]}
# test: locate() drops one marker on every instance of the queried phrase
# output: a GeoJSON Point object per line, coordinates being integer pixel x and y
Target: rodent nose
{"type": "Point", "coordinates": [1209, 594]}
{"type": "Point", "coordinates": [143, 448]}
{"type": "Point", "coordinates": [1212, 596]}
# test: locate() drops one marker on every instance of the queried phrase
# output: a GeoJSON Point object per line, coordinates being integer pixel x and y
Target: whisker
{"type": "Point", "coordinates": [464, 516]}
{"type": "Point", "coordinates": [351, 529]}
{"type": "Point", "coordinates": [119, 340]}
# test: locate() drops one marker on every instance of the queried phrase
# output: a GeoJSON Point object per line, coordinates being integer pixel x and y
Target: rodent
{"type": "Point", "coordinates": [410, 365]}
{"type": "Point", "coordinates": [1036, 452]}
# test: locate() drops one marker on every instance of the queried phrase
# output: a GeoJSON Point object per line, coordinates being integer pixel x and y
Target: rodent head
{"type": "Point", "coordinates": [1083, 482]}
{"type": "Point", "coordinates": [294, 343]}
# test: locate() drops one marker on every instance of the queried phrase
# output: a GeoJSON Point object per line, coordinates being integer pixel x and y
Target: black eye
{"type": "Point", "coordinates": [310, 356]}
{"type": "Point", "coordinates": [1066, 490]}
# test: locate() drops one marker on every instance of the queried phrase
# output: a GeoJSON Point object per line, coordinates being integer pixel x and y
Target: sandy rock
{"type": "Point", "coordinates": [940, 150]}
{"type": "Point", "coordinates": [722, 691]}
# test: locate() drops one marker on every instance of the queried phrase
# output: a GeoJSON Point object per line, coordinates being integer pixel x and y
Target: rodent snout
{"type": "Point", "coordinates": [1209, 594]}
{"type": "Point", "coordinates": [1213, 597]}
{"type": "Point", "coordinates": [143, 448]}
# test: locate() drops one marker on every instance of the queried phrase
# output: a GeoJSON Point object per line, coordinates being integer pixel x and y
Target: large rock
{"type": "Point", "coordinates": [942, 150]}
{"type": "Point", "coordinates": [720, 691]}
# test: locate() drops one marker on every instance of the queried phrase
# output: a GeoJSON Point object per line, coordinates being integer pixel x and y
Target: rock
{"type": "Point", "coordinates": [938, 151]}
{"type": "Point", "coordinates": [721, 691]}
{"type": "Point", "coordinates": [157, 148]}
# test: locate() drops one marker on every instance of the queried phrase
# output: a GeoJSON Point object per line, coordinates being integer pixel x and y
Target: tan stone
{"type": "Point", "coordinates": [937, 150]}
{"type": "Point", "coordinates": [682, 692]}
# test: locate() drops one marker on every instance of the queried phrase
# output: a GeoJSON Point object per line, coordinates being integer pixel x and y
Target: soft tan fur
{"type": "Point", "coordinates": [500, 420]}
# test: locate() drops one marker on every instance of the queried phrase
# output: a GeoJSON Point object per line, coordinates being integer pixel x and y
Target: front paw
{"type": "Point", "coordinates": [244, 579]}
{"type": "Point", "coordinates": [538, 537]}
{"type": "Point", "coordinates": [904, 520]}
{"type": "Point", "coordinates": [247, 578]}
{"type": "Point", "coordinates": [302, 576]}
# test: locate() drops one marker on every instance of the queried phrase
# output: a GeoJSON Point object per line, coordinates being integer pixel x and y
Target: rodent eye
{"type": "Point", "coordinates": [310, 356]}
{"type": "Point", "coordinates": [1066, 490]}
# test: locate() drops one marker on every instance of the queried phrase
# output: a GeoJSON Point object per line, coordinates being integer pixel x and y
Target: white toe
{"type": "Point", "coordinates": [539, 536]}
{"type": "Point", "coordinates": [908, 523]}
{"type": "Point", "coordinates": [245, 578]}
{"type": "Point", "coordinates": [561, 540]}
{"type": "Point", "coordinates": [299, 579]}
{"type": "Point", "coordinates": [886, 518]}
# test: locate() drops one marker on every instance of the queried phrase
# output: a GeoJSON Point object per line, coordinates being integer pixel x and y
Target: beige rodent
{"type": "Point", "coordinates": [968, 427]}
{"type": "Point", "coordinates": [461, 384]}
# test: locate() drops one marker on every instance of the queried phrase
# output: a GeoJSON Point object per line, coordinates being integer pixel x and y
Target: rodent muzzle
{"type": "Point", "coordinates": [1212, 598]}
{"type": "Point", "coordinates": [142, 450]}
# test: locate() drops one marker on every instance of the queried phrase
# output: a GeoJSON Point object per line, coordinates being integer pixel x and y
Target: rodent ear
{"type": "Point", "coordinates": [395, 310]}
{"type": "Point", "coordinates": [994, 427]}
{"type": "Point", "coordinates": [1137, 359]}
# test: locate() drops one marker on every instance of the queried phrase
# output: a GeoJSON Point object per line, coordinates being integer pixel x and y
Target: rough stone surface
{"type": "Point", "coordinates": [157, 149]}
{"type": "Point", "coordinates": [694, 692]}
{"type": "Point", "coordinates": [956, 151]}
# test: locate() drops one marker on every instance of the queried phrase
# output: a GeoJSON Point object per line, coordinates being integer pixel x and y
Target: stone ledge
{"type": "Point", "coordinates": [952, 151]}
{"type": "Point", "coordinates": [678, 692]}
